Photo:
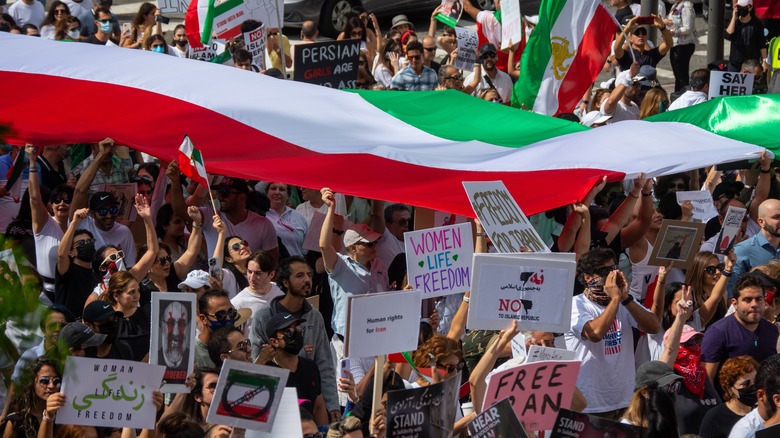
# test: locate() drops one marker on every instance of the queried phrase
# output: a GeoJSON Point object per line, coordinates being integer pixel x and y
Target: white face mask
{"type": "Point", "coordinates": [74, 34]}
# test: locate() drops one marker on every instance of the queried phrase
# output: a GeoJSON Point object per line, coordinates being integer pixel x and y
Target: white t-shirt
{"type": "Point", "coordinates": [622, 111]}
{"type": "Point", "coordinates": [255, 229]}
{"type": "Point", "coordinates": [174, 50]}
{"type": "Point", "coordinates": [607, 374]}
{"type": "Point", "coordinates": [247, 299]}
{"type": "Point", "coordinates": [502, 83]}
{"type": "Point", "coordinates": [119, 236]}
{"type": "Point", "coordinates": [747, 425]}
{"type": "Point", "coordinates": [291, 227]}
{"type": "Point", "coordinates": [389, 247]}
{"type": "Point", "coordinates": [46, 244]}
{"type": "Point", "coordinates": [22, 13]}
{"type": "Point", "coordinates": [689, 98]}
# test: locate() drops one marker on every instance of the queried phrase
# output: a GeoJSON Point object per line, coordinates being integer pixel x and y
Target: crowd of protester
{"type": "Point", "coordinates": [677, 351]}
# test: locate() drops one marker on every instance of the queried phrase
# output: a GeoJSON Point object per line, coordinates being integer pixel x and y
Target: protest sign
{"type": "Point", "coordinates": [504, 221]}
{"type": "Point", "coordinates": [438, 260]}
{"type": "Point", "coordinates": [511, 23]}
{"type": "Point", "coordinates": [468, 42]}
{"type": "Point", "coordinates": [254, 43]}
{"type": "Point", "coordinates": [229, 15]}
{"type": "Point", "coordinates": [426, 412]}
{"type": "Point", "coordinates": [125, 198]}
{"type": "Point", "coordinates": [537, 353]}
{"type": "Point", "coordinates": [677, 243]}
{"type": "Point", "coordinates": [536, 390]}
{"type": "Point", "coordinates": [247, 395]}
{"type": "Point", "coordinates": [173, 6]}
{"type": "Point", "coordinates": [518, 346]}
{"type": "Point", "coordinates": [498, 420]}
{"type": "Point", "coordinates": [332, 64]}
{"type": "Point", "coordinates": [288, 418]}
{"type": "Point", "coordinates": [725, 83]}
{"type": "Point", "coordinates": [109, 393]}
{"type": "Point", "coordinates": [173, 337]}
{"type": "Point", "coordinates": [701, 200]}
{"type": "Point", "coordinates": [577, 425]}
{"type": "Point", "coordinates": [534, 289]}
{"type": "Point", "coordinates": [382, 323]}
{"type": "Point", "coordinates": [207, 52]}
{"type": "Point", "coordinates": [732, 223]}
{"type": "Point", "coordinates": [449, 12]}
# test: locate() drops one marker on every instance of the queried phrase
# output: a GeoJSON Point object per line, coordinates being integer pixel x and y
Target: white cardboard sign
{"type": "Point", "coordinates": [247, 395]}
{"type": "Point", "coordinates": [468, 42]}
{"type": "Point", "coordinates": [538, 353]}
{"type": "Point", "coordinates": [173, 338]}
{"type": "Point", "coordinates": [288, 418]}
{"type": "Point", "coordinates": [511, 23]}
{"type": "Point", "coordinates": [508, 227]}
{"type": "Point", "coordinates": [535, 291]}
{"type": "Point", "coordinates": [701, 200]}
{"type": "Point", "coordinates": [382, 323]}
{"type": "Point", "coordinates": [254, 42]}
{"type": "Point", "coordinates": [109, 393]}
{"type": "Point", "coordinates": [438, 260]}
{"type": "Point", "coordinates": [729, 230]}
{"type": "Point", "coordinates": [725, 83]}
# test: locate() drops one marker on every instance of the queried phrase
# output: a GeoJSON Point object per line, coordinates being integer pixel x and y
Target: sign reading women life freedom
{"type": "Point", "coordinates": [509, 229]}
{"type": "Point", "coordinates": [438, 260]}
{"type": "Point", "coordinates": [534, 289]}
{"type": "Point", "coordinates": [109, 393]}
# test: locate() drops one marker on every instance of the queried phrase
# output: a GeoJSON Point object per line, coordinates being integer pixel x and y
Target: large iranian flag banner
{"type": "Point", "coordinates": [565, 53]}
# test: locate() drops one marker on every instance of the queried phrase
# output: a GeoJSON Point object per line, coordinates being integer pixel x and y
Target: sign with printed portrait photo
{"type": "Point", "coordinates": [677, 243]}
{"type": "Point", "coordinates": [173, 337]}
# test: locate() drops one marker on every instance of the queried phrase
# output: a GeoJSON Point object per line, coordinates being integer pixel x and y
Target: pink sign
{"type": "Point", "coordinates": [536, 390]}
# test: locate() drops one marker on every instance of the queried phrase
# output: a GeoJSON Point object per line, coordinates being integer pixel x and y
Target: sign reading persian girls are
{"type": "Point", "coordinates": [534, 289]}
{"type": "Point", "coordinates": [109, 393]}
{"type": "Point", "coordinates": [536, 390]}
{"type": "Point", "coordinates": [382, 323]}
{"type": "Point", "coordinates": [332, 64]}
{"type": "Point", "coordinates": [509, 229]}
{"type": "Point", "coordinates": [438, 260]}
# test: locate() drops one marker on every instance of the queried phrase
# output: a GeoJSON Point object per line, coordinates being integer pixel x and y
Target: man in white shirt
{"type": "Point", "coordinates": [492, 77]}
{"type": "Point", "coordinates": [698, 90]}
{"type": "Point", "coordinates": [391, 222]}
{"type": "Point", "coordinates": [260, 292]}
{"type": "Point", "coordinates": [27, 11]}
{"type": "Point", "coordinates": [101, 222]}
{"type": "Point", "coordinates": [620, 103]}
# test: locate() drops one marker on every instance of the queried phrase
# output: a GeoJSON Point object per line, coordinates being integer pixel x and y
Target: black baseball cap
{"type": "Point", "coordinates": [487, 48]}
{"type": "Point", "coordinates": [99, 311]}
{"type": "Point", "coordinates": [237, 184]}
{"type": "Point", "coordinates": [281, 321]}
{"type": "Point", "coordinates": [102, 199]}
{"type": "Point", "coordinates": [77, 335]}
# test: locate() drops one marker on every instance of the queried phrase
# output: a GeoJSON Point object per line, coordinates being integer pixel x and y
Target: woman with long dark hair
{"type": "Point", "coordinates": [58, 11]}
{"type": "Point", "coordinates": [40, 380]}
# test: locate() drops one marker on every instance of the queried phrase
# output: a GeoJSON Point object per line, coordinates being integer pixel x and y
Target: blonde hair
{"type": "Point", "coordinates": [651, 102]}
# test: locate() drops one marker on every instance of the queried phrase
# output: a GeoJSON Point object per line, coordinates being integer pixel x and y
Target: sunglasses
{"type": "Point", "coordinates": [137, 179]}
{"type": "Point", "coordinates": [104, 211]}
{"type": "Point", "coordinates": [212, 387]}
{"type": "Point", "coordinates": [356, 34]}
{"type": "Point", "coordinates": [238, 246]}
{"type": "Point", "coordinates": [85, 242]}
{"type": "Point", "coordinates": [672, 388]}
{"type": "Point", "coordinates": [290, 331]}
{"type": "Point", "coordinates": [367, 244]}
{"type": "Point", "coordinates": [45, 381]}
{"type": "Point", "coordinates": [680, 186]}
{"type": "Point", "coordinates": [225, 192]}
{"type": "Point", "coordinates": [224, 315]}
{"type": "Point", "coordinates": [488, 55]}
{"type": "Point", "coordinates": [450, 368]}
{"type": "Point", "coordinates": [60, 11]}
{"type": "Point", "coordinates": [273, 33]}
{"type": "Point", "coordinates": [114, 257]}
{"type": "Point", "coordinates": [244, 346]}
{"type": "Point", "coordinates": [714, 268]}
{"type": "Point", "coordinates": [106, 21]}
{"type": "Point", "coordinates": [58, 199]}
{"type": "Point", "coordinates": [604, 272]}
{"type": "Point", "coordinates": [404, 222]}
{"type": "Point", "coordinates": [164, 260]}
{"type": "Point", "coordinates": [641, 32]}
{"type": "Point", "coordinates": [454, 78]}
{"type": "Point", "coordinates": [429, 49]}
{"type": "Point", "coordinates": [413, 57]}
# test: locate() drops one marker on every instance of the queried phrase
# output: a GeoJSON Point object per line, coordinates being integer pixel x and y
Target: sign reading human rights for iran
{"type": "Point", "coordinates": [109, 393]}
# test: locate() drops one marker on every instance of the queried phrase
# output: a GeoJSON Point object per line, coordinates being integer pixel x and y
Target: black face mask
{"type": "Point", "coordinates": [748, 396]}
{"type": "Point", "coordinates": [743, 11]}
{"type": "Point", "coordinates": [181, 43]}
{"type": "Point", "coordinates": [85, 252]}
{"type": "Point", "coordinates": [294, 343]}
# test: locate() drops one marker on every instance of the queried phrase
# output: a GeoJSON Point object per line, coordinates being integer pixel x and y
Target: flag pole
{"type": "Point", "coordinates": [213, 204]}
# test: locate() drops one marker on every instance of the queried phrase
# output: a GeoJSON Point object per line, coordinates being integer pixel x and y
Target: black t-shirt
{"type": "Point", "coordinates": [712, 228]}
{"type": "Point", "coordinates": [622, 13]}
{"type": "Point", "coordinates": [718, 422]}
{"type": "Point", "coordinates": [135, 330]}
{"type": "Point", "coordinates": [119, 350]}
{"type": "Point", "coordinates": [648, 57]}
{"type": "Point", "coordinates": [73, 288]}
{"type": "Point", "coordinates": [746, 42]}
{"type": "Point", "coordinates": [306, 380]}
{"type": "Point", "coordinates": [691, 409]}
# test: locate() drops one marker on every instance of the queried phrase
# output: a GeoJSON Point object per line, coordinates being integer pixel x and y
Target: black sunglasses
{"type": "Point", "coordinates": [46, 380]}
{"type": "Point", "coordinates": [104, 211]}
{"type": "Point", "coordinates": [164, 260]}
{"type": "Point", "coordinates": [604, 272]}
{"type": "Point", "coordinates": [223, 315]}
{"type": "Point", "coordinates": [488, 55]}
{"type": "Point", "coordinates": [85, 242]}
{"type": "Point", "coordinates": [239, 245]}
{"type": "Point", "coordinates": [680, 186]}
{"type": "Point", "coordinates": [58, 199]}
{"type": "Point", "coordinates": [714, 268]}
{"type": "Point", "coordinates": [245, 346]}
{"type": "Point", "coordinates": [450, 368]}
{"type": "Point", "coordinates": [224, 192]}
{"type": "Point", "coordinates": [367, 244]}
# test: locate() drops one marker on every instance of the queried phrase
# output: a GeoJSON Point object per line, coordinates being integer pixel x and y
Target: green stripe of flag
{"type": "Point", "coordinates": [208, 24]}
{"type": "Point", "coordinates": [460, 117]}
{"type": "Point", "coordinates": [536, 55]}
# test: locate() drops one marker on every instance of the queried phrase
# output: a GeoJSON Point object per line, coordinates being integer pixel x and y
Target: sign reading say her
{"type": "Point", "coordinates": [109, 393]}
{"type": "Point", "coordinates": [724, 83]}
{"type": "Point", "coordinates": [438, 260]}
{"type": "Point", "coordinates": [537, 390]}
{"type": "Point", "coordinates": [382, 323]}
{"type": "Point", "coordinates": [534, 289]}
{"type": "Point", "coordinates": [509, 229]}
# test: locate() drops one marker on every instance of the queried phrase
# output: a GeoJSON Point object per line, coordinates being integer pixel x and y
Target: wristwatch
{"type": "Point", "coordinates": [627, 301]}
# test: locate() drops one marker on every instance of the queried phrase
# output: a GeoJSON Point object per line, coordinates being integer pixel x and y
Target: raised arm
{"type": "Point", "coordinates": [595, 329]}
{"type": "Point", "coordinates": [37, 207]}
{"type": "Point", "coordinates": [622, 83]}
{"type": "Point", "coordinates": [63, 251]}
{"type": "Point", "coordinates": [329, 256]}
{"type": "Point", "coordinates": [53, 404]}
{"type": "Point", "coordinates": [219, 247]}
{"type": "Point", "coordinates": [569, 232]}
{"type": "Point", "coordinates": [668, 42]}
{"type": "Point", "coordinates": [762, 187]}
{"type": "Point", "coordinates": [477, 379]}
{"type": "Point", "coordinates": [684, 311]}
{"type": "Point", "coordinates": [582, 244]}
{"type": "Point", "coordinates": [81, 192]}
{"type": "Point", "coordinates": [377, 218]}
{"type": "Point", "coordinates": [458, 324]}
{"type": "Point", "coordinates": [434, 21]}
{"type": "Point", "coordinates": [659, 296]}
{"type": "Point", "coordinates": [646, 321]}
{"type": "Point", "coordinates": [142, 266]}
{"type": "Point", "coordinates": [470, 9]}
{"type": "Point", "coordinates": [636, 230]}
{"type": "Point", "coordinates": [187, 260]}
{"type": "Point", "coordinates": [718, 294]}
{"type": "Point", "coordinates": [476, 78]}
{"type": "Point", "coordinates": [177, 195]}
{"type": "Point", "coordinates": [623, 213]}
